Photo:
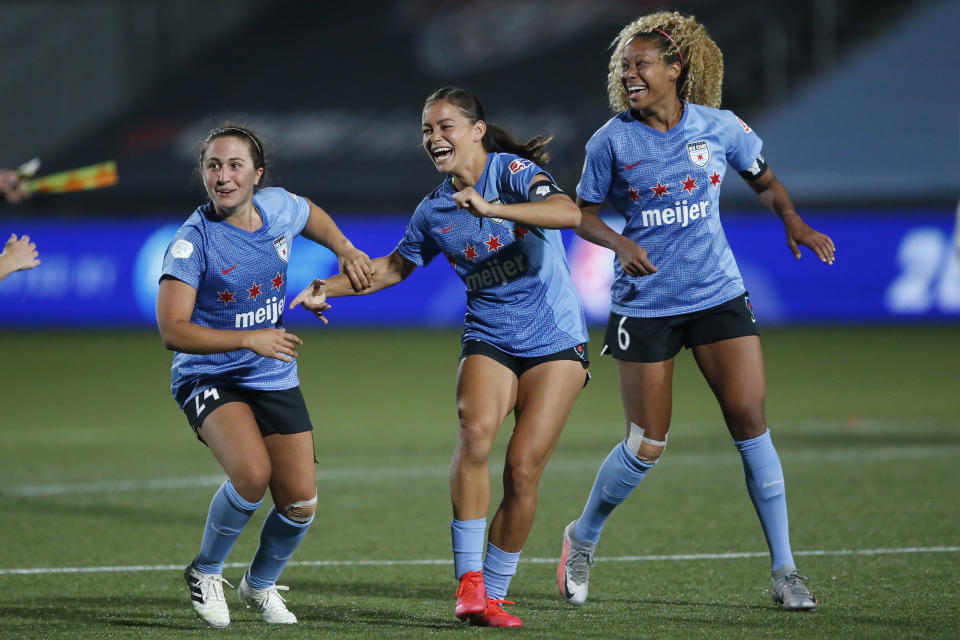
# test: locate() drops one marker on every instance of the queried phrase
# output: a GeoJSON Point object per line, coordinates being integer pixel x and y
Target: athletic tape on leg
{"type": "Point", "coordinates": [635, 438]}
{"type": "Point", "coordinates": [647, 449]}
{"type": "Point", "coordinates": [302, 510]}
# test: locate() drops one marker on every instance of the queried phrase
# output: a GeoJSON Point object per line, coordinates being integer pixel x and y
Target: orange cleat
{"type": "Point", "coordinates": [495, 616]}
{"type": "Point", "coordinates": [471, 595]}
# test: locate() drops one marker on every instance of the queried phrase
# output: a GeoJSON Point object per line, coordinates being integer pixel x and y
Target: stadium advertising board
{"type": "Point", "coordinates": [889, 268]}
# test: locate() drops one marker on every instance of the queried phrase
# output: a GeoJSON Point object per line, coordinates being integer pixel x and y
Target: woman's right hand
{"type": "Point", "coordinates": [633, 258]}
{"type": "Point", "coordinates": [272, 343]}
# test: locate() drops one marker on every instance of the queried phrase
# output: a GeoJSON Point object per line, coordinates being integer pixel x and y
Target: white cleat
{"type": "Point", "coordinates": [573, 572]}
{"type": "Point", "coordinates": [268, 602]}
{"type": "Point", "coordinates": [788, 590]}
{"type": "Point", "coordinates": [206, 596]}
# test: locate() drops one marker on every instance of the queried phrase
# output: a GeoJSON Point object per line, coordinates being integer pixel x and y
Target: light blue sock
{"type": "Point", "coordinates": [279, 538]}
{"type": "Point", "coordinates": [468, 538]}
{"type": "Point", "coordinates": [499, 568]}
{"type": "Point", "coordinates": [618, 475]}
{"type": "Point", "coordinates": [764, 476]}
{"type": "Point", "coordinates": [225, 520]}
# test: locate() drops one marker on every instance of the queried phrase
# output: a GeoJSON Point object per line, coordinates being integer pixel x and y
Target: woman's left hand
{"type": "Point", "coordinates": [800, 233]}
{"type": "Point", "coordinates": [474, 203]}
{"type": "Point", "coordinates": [358, 267]}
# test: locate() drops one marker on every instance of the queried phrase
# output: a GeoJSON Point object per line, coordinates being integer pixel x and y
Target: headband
{"type": "Point", "coordinates": [225, 130]}
{"type": "Point", "coordinates": [676, 46]}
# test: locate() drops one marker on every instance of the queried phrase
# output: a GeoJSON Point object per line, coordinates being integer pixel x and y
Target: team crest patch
{"type": "Point", "coordinates": [181, 249]}
{"type": "Point", "coordinates": [280, 244]}
{"type": "Point", "coordinates": [699, 153]}
{"type": "Point", "coordinates": [519, 165]}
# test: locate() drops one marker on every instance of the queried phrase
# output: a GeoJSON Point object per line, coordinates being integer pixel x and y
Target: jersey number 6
{"type": "Point", "coordinates": [623, 336]}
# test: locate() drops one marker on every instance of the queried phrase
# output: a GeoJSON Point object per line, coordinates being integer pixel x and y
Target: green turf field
{"type": "Point", "coordinates": [103, 486]}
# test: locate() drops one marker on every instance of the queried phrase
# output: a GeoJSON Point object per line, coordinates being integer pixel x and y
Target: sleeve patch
{"type": "Point", "coordinates": [182, 249]}
{"type": "Point", "coordinates": [519, 165]}
{"type": "Point", "coordinates": [745, 126]}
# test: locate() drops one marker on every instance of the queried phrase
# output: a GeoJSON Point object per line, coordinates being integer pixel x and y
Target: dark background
{"type": "Point", "coordinates": [856, 101]}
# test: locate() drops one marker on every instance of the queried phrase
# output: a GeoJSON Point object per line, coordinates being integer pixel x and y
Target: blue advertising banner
{"type": "Point", "coordinates": [890, 268]}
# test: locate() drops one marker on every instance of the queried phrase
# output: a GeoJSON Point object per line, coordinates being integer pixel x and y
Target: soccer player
{"type": "Point", "coordinates": [18, 255]}
{"type": "Point", "coordinates": [659, 163]}
{"type": "Point", "coordinates": [220, 307]}
{"type": "Point", "coordinates": [495, 219]}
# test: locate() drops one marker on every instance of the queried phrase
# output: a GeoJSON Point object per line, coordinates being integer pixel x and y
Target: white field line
{"type": "Point", "coordinates": [402, 563]}
{"type": "Point", "coordinates": [559, 464]}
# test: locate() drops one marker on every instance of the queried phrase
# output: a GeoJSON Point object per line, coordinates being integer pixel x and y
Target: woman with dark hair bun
{"type": "Point", "coordinates": [660, 163]}
{"type": "Point", "coordinates": [495, 218]}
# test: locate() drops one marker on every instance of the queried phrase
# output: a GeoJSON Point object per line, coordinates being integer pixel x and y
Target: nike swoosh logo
{"type": "Point", "coordinates": [770, 484]}
{"type": "Point", "coordinates": [445, 229]}
{"type": "Point", "coordinates": [631, 166]}
{"type": "Point", "coordinates": [226, 271]}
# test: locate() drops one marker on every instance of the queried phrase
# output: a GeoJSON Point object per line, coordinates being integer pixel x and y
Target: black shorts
{"type": "Point", "coordinates": [660, 339]}
{"type": "Point", "coordinates": [519, 364]}
{"type": "Point", "coordinates": [275, 411]}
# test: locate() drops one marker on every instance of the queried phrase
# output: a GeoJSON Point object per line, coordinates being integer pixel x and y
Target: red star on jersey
{"type": "Point", "coordinates": [470, 252]}
{"type": "Point", "coordinates": [715, 179]}
{"type": "Point", "coordinates": [226, 296]}
{"type": "Point", "coordinates": [278, 281]}
{"type": "Point", "coordinates": [493, 244]}
{"type": "Point", "coordinates": [520, 233]}
{"type": "Point", "coordinates": [699, 156]}
{"type": "Point", "coordinates": [660, 189]}
{"type": "Point", "coordinates": [689, 184]}
{"type": "Point", "coordinates": [633, 193]}
{"type": "Point", "coordinates": [254, 291]}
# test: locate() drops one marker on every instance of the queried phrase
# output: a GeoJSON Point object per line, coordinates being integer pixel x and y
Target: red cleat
{"type": "Point", "coordinates": [495, 616]}
{"type": "Point", "coordinates": [471, 595]}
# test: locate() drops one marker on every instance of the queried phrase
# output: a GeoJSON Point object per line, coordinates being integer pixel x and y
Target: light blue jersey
{"type": "Point", "coordinates": [241, 282]}
{"type": "Point", "coordinates": [667, 186]}
{"type": "Point", "coordinates": [520, 296]}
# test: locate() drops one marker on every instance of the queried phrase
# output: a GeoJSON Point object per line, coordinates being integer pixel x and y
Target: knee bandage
{"type": "Point", "coordinates": [301, 511]}
{"type": "Point", "coordinates": [646, 449]}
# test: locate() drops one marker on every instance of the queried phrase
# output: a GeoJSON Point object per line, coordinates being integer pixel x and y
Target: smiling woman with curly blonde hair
{"type": "Point", "coordinates": [681, 39]}
{"type": "Point", "coordinates": [659, 162]}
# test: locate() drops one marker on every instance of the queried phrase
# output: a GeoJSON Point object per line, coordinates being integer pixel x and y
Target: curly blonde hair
{"type": "Point", "coordinates": [701, 78]}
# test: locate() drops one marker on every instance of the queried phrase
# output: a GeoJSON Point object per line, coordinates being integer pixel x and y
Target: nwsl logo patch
{"type": "Point", "coordinates": [519, 165]}
{"type": "Point", "coordinates": [699, 153]}
{"type": "Point", "coordinates": [280, 244]}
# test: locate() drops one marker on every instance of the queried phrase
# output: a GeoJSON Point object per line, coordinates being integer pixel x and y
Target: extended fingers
{"type": "Point", "coordinates": [829, 249]}
{"type": "Point", "coordinates": [311, 290]}
{"type": "Point", "coordinates": [821, 244]}
{"type": "Point", "coordinates": [824, 248]}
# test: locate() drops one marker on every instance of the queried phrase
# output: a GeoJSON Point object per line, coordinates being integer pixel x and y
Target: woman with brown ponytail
{"type": "Point", "coordinates": [660, 163]}
{"type": "Point", "coordinates": [495, 217]}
